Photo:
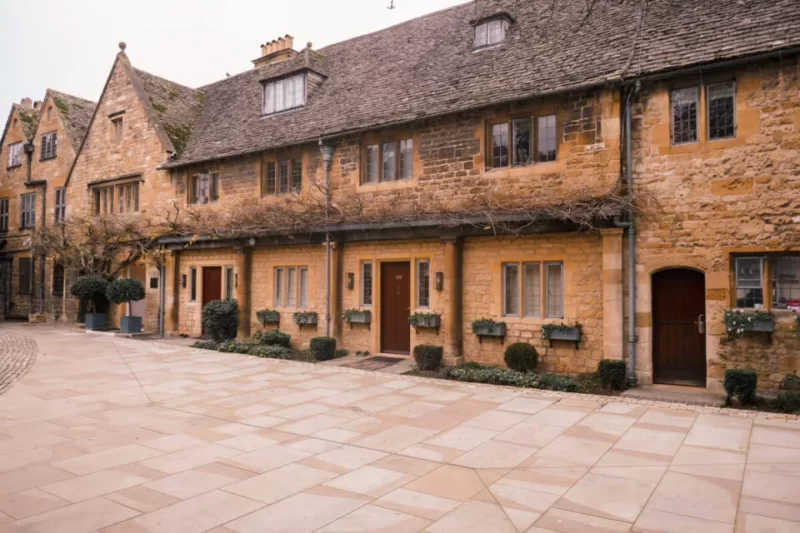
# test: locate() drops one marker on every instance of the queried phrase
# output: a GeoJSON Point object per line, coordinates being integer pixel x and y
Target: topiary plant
{"type": "Point", "coordinates": [272, 338]}
{"type": "Point", "coordinates": [428, 357]}
{"type": "Point", "coordinates": [611, 374]}
{"type": "Point", "coordinates": [89, 288]}
{"type": "Point", "coordinates": [521, 357]}
{"type": "Point", "coordinates": [787, 402]}
{"type": "Point", "coordinates": [125, 291]}
{"type": "Point", "coordinates": [741, 384]}
{"type": "Point", "coordinates": [221, 319]}
{"type": "Point", "coordinates": [323, 348]}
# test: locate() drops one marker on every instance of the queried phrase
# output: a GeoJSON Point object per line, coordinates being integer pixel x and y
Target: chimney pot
{"type": "Point", "coordinates": [37, 104]}
{"type": "Point", "coordinates": [26, 102]}
{"type": "Point", "coordinates": [276, 51]}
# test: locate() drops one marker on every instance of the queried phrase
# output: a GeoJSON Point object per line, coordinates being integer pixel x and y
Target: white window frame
{"type": "Point", "coordinates": [762, 280]}
{"type": "Point", "coordinates": [427, 304]}
{"type": "Point", "coordinates": [15, 155]}
{"type": "Point", "coordinates": [284, 94]}
{"type": "Point", "coordinates": [364, 302]}
{"type": "Point", "coordinates": [547, 265]}
{"type": "Point", "coordinates": [490, 32]}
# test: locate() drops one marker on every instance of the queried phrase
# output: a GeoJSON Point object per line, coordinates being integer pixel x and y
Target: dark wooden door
{"type": "Point", "coordinates": [395, 307]}
{"type": "Point", "coordinates": [679, 340]}
{"type": "Point", "coordinates": [212, 284]}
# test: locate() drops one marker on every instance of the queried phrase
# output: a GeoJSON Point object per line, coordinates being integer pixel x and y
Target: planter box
{"type": "Point", "coordinates": [130, 324]}
{"type": "Point", "coordinates": [362, 317]}
{"type": "Point", "coordinates": [95, 321]}
{"type": "Point", "coordinates": [495, 330]}
{"type": "Point", "coordinates": [273, 317]}
{"type": "Point", "coordinates": [571, 334]}
{"type": "Point", "coordinates": [308, 320]}
{"type": "Point", "coordinates": [763, 326]}
{"type": "Point", "coordinates": [434, 321]}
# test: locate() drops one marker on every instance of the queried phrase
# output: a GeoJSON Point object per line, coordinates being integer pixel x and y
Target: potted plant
{"type": "Point", "coordinates": [91, 289]}
{"type": "Point", "coordinates": [357, 316]}
{"type": "Point", "coordinates": [562, 332]}
{"type": "Point", "coordinates": [125, 291]}
{"type": "Point", "coordinates": [268, 316]}
{"type": "Point", "coordinates": [425, 320]}
{"type": "Point", "coordinates": [737, 323]}
{"type": "Point", "coordinates": [305, 318]}
{"type": "Point", "coordinates": [486, 327]}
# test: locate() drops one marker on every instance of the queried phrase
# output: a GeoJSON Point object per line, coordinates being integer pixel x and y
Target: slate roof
{"type": "Point", "coordinates": [427, 66]}
{"type": "Point", "coordinates": [76, 114]}
{"type": "Point", "coordinates": [28, 117]}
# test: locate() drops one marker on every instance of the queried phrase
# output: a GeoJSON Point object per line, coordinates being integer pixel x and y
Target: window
{"type": "Point", "coordinates": [522, 141]}
{"type": "Point", "coordinates": [297, 174]}
{"type": "Point", "coordinates": [48, 149]}
{"type": "Point", "coordinates": [423, 284]}
{"type": "Point", "coordinates": [512, 142]}
{"type": "Point", "coordinates": [785, 282]}
{"type": "Point", "coordinates": [204, 188]}
{"type": "Point", "coordinates": [27, 212]}
{"type": "Point", "coordinates": [282, 177]}
{"type": "Point", "coordinates": [302, 282]}
{"type": "Point", "coordinates": [499, 145]}
{"type": "Point", "coordinates": [278, 293]}
{"type": "Point", "coordinates": [749, 282]}
{"type": "Point", "coordinates": [366, 283]}
{"type": "Point", "coordinates": [511, 289]}
{"type": "Point", "coordinates": [532, 289]}
{"type": "Point", "coordinates": [555, 290]}
{"type": "Point", "coordinates": [490, 32]}
{"type": "Point", "coordinates": [25, 275]}
{"type": "Point", "coordinates": [546, 138]}
{"type": "Point", "coordinates": [291, 287]}
{"type": "Point", "coordinates": [284, 94]}
{"type": "Point", "coordinates": [58, 279]}
{"type": "Point", "coordinates": [128, 195]}
{"type": "Point", "coordinates": [684, 115]}
{"type": "Point", "coordinates": [193, 287]}
{"type": "Point", "coordinates": [15, 155]}
{"type": "Point", "coordinates": [3, 215]}
{"type": "Point", "coordinates": [116, 129]}
{"type": "Point", "coordinates": [103, 200]}
{"type": "Point", "coordinates": [229, 283]}
{"type": "Point", "coordinates": [389, 161]}
{"type": "Point", "coordinates": [61, 204]}
{"type": "Point", "coordinates": [721, 110]}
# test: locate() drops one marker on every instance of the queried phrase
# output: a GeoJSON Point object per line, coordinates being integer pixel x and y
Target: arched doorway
{"type": "Point", "coordinates": [679, 339]}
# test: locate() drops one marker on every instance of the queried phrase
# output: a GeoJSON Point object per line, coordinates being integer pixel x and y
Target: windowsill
{"type": "Point", "coordinates": [476, 49]}
{"type": "Point", "coordinates": [198, 204]}
{"type": "Point", "coordinates": [387, 185]}
{"type": "Point", "coordinates": [537, 167]}
{"type": "Point", "coordinates": [13, 167]}
{"type": "Point", "coordinates": [282, 111]}
{"type": "Point", "coordinates": [43, 159]}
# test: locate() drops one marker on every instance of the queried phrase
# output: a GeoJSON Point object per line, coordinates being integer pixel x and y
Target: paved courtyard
{"type": "Point", "coordinates": [117, 435]}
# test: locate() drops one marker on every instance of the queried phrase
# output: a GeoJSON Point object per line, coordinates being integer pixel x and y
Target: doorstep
{"type": "Point", "coordinates": [677, 394]}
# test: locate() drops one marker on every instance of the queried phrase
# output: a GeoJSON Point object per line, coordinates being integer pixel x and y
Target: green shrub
{"type": "Point", "coordinates": [791, 382]}
{"type": "Point", "coordinates": [612, 374]}
{"type": "Point", "coordinates": [268, 316]}
{"type": "Point", "coordinates": [323, 348]}
{"type": "Point", "coordinates": [787, 402]}
{"type": "Point", "coordinates": [521, 357]}
{"type": "Point", "coordinates": [206, 345]}
{"type": "Point", "coordinates": [272, 351]}
{"type": "Point", "coordinates": [341, 352]}
{"type": "Point", "coordinates": [741, 384]}
{"type": "Point", "coordinates": [121, 291]}
{"type": "Point", "coordinates": [272, 337]}
{"type": "Point", "coordinates": [234, 347]}
{"type": "Point", "coordinates": [220, 319]}
{"type": "Point", "coordinates": [91, 289]}
{"type": "Point", "coordinates": [557, 383]}
{"type": "Point", "coordinates": [428, 357]}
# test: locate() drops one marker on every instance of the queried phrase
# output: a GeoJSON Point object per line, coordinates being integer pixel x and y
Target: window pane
{"type": "Point", "coordinates": [278, 291]}
{"type": "Point", "coordinates": [481, 34]}
{"type": "Point", "coordinates": [546, 134]}
{"type": "Point", "coordinates": [388, 161]}
{"type": "Point", "coordinates": [58, 280]}
{"type": "Point", "coordinates": [371, 174]}
{"type": "Point", "coordinates": [366, 284]}
{"type": "Point", "coordinates": [721, 110]}
{"type": "Point", "coordinates": [279, 90]}
{"type": "Point", "coordinates": [423, 284]}
{"type": "Point", "coordinates": [269, 98]}
{"type": "Point", "coordinates": [522, 141]}
{"type": "Point", "coordinates": [684, 115]}
{"type": "Point", "coordinates": [406, 159]}
{"type": "Point", "coordinates": [785, 276]}
{"type": "Point", "coordinates": [283, 178]}
{"type": "Point", "coordinates": [499, 145]}
{"type": "Point", "coordinates": [269, 186]}
{"type": "Point", "coordinates": [511, 290]}
{"type": "Point", "coordinates": [749, 282]}
{"type": "Point", "coordinates": [193, 293]}
{"type": "Point", "coordinates": [496, 31]}
{"type": "Point", "coordinates": [291, 288]}
{"type": "Point", "coordinates": [533, 289]}
{"type": "Point", "coordinates": [229, 283]}
{"type": "Point", "coordinates": [555, 290]}
{"type": "Point", "coordinates": [299, 90]}
{"type": "Point", "coordinates": [303, 282]}
{"type": "Point", "coordinates": [297, 174]}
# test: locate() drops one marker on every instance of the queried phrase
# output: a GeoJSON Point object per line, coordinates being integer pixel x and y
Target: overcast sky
{"type": "Point", "coordinates": [69, 45]}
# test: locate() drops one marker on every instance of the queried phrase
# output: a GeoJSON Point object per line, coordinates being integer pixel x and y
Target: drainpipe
{"type": "Point", "coordinates": [42, 258]}
{"type": "Point", "coordinates": [327, 163]}
{"type": "Point", "coordinates": [162, 295]}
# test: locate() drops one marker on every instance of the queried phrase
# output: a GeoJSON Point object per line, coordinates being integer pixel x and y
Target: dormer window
{"type": "Point", "coordinates": [283, 94]}
{"type": "Point", "coordinates": [490, 32]}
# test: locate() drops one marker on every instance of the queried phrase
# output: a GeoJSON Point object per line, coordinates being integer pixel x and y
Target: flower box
{"type": "Point", "coordinates": [268, 317]}
{"type": "Point", "coordinates": [305, 319]}
{"type": "Point", "coordinates": [426, 320]}
{"type": "Point", "coordinates": [489, 328]}
{"type": "Point", "coordinates": [738, 323]}
{"type": "Point", "coordinates": [562, 332]}
{"type": "Point", "coordinates": [95, 321]}
{"type": "Point", "coordinates": [357, 316]}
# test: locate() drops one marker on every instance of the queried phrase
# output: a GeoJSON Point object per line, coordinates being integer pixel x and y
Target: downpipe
{"type": "Point", "coordinates": [327, 162]}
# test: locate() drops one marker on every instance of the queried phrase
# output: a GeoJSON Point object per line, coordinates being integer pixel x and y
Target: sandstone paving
{"type": "Point", "coordinates": [112, 435]}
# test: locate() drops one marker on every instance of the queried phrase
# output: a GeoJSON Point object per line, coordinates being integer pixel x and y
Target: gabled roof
{"type": "Point", "coordinates": [76, 114]}
{"type": "Point", "coordinates": [427, 66]}
{"type": "Point", "coordinates": [28, 117]}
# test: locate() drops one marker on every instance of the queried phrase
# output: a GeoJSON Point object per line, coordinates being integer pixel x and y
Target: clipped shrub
{"type": "Point", "coordinates": [521, 357]}
{"type": "Point", "coordinates": [741, 384]}
{"type": "Point", "coordinates": [341, 352]}
{"type": "Point", "coordinates": [234, 347]}
{"type": "Point", "coordinates": [206, 345]}
{"type": "Point", "coordinates": [323, 348]}
{"type": "Point", "coordinates": [791, 381]}
{"type": "Point", "coordinates": [787, 402]}
{"type": "Point", "coordinates": [428, 357]}
{"type": "Point", "coordinates": [557, 383]}
{"type": "Point", "coordinates": [91, 289]}
{"type": "Point", "coordinates": [272, 351]}
{"type": "Point", "coordinates": [125, 290]}
{"type": "Point", "coordinates": [272, 338]}
{"type": "Point", "coordinates": [612, 374]}
{"type": "Point", "coordinates": [220, 319]}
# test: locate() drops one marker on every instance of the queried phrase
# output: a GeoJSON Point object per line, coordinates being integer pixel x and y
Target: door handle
{"type": "Point", "coordinates": [701, 324]}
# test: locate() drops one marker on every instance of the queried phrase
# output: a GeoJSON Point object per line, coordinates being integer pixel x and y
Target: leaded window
{"type": "Point", "coordinates": [511, 289]}
{"type": "Point", "coordinates": [388, 161]}
{"type": "Point", "coordinates": [3, 214]}
{"type": "Point", "coordinates": [546, 138]}
{"type": "Point", "coordinates": [284, 94]}
{"type": "Point", "coordinates": [48, 148]}
{"type": "Point", "coordinates": [15, 155]}
{"type": "Point", "coordinates": [555, 290]}
{"type": "Point", "coordinates": [684, 103]}
{"type": "Point", "coordinates": [423, 284]}
{"type": "Point", "coordinates": [204, 188]}
{"type": "Point", "coordinates": [721, 110]}
{"type": "Point", "coordinates": [27, 213]}
{"type": "Point", "coordinates": [366, 283]}
{"type": "Point", "coordinates": [490, 32]}
{"type": "Point", "coordinates": [61, 204]}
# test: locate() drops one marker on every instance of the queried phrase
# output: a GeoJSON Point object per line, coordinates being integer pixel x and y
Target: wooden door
{"type": "Point", "coordinates": [212, 284]}
{"type": "Point", "coordinates": [395, 307]}
{"type": "Point", "coordinates": [679, 340]}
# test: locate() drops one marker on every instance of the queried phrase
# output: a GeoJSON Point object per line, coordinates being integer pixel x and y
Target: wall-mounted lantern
{"type": "Point", "coordinates": [351, 280]}
{"type": "Point", "coordinates": [439, 281]}
{"type": "Point", "coordinates": [183, 280]}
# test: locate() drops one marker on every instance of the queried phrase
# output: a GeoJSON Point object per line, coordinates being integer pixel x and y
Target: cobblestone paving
{"type": "Point", "coordinates": [17, 355]}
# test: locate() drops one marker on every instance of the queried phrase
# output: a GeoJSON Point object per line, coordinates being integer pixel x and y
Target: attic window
{"type": "Point", "coordinates": [490, 32]}
{"type": "Point", "coordinates": [283, 94]}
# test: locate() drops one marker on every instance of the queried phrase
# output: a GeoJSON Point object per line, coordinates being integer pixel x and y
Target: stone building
{"type": "Point", "coordinates": [475, 164]}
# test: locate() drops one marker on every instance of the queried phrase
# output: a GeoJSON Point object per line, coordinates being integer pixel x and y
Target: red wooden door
{"type": "Point", "coordinates": [212, 284]}
{"type": "Point", "coordinates": [395, 307]}
{"type": "Point", "coordinates": [679, 340]}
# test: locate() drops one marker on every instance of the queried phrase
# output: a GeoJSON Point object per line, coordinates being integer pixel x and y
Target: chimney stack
{"type": "Point", "coordinates": [26, 102]}
{"type": "Point", "coordinates": [37, 104]}
{"type": "Point", "coordinates": [276, 51]}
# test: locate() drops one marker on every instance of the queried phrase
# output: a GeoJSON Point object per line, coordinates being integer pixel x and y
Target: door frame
{"type": "Point", "coordinates": [378, 302]}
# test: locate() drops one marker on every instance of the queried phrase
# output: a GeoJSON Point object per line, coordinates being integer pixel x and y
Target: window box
{"type": "Point", "coordinates": [489, 328]}
{"type": "Point", "coordinates": [268, 316]}
{"type": "Point", "coordinates": [357, 316]}
{"type": "Point", "coordinates": [95, 321]}
{"type": "Point", "coordinates": [426, 320]}
{"type": "Point", "coordinates": [130, 324]}
{"type": "Point", "coordinates": [562, 332]}
{"type": "Point", "coordinates": [305, 318]}
{"type": "Point", "coordinates": [737, 323]}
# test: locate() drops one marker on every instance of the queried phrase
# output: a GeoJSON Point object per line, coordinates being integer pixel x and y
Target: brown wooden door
{"type": "Point", "coordinates": [395, 307]}
{"type": "Point", "coordinates": [212, 284]}
{"type": "Point", "coordinates": [679, 340]}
